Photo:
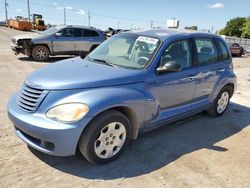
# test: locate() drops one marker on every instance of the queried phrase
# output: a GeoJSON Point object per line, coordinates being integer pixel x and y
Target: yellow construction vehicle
{"type": "Point", "coordinates": [38, 22]}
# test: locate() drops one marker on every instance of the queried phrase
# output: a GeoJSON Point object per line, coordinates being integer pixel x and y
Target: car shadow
{"type": "Point", "coordinates": [244, 56]}
{"type": "Point", "coordinates": [50, 60]}
{"type": "Point", "coordinates": [158, 148]}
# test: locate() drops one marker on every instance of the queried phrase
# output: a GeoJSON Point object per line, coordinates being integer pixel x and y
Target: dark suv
{"type": "Point", "coordinates": [236, 49]}
{"type": "Point", "coordinates": [59, 40]}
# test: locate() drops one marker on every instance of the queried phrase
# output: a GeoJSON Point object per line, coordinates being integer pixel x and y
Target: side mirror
{"type": "Point", "coordinates": [171, 66]}
{"type": "Point", "coordinates": [58, 34]}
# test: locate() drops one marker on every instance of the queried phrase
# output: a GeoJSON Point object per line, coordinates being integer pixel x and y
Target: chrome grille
{"type": "Point", "coordinates": [29, 98]}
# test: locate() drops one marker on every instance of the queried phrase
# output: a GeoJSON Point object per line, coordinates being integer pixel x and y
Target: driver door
{"type": "Point", "coordinates": [66, 43]}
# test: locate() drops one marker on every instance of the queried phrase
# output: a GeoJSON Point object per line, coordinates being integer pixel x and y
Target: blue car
{"type": "Point", "coordinates": [132, 83]}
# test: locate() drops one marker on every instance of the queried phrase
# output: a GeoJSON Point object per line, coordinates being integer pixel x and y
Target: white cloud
{"type": "Point", "coordinates": [216, 5]}
{"type": "Point", "coordinates": [61, 8]}
{"type": "Point", "coordinates": [19, 10]}
{"type": "Point", "coordinates": [80, 11]}
{"type": "Point", "coordinates": [70, 8]}
{"type": "Point", "coordinates": [55, 3]}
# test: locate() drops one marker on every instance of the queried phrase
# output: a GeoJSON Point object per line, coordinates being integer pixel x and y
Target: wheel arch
{"type": "Point", "coordinates": [230, 85]}
{"type": "Point", "coordinates": [34, 45]}
{"type": "Point", "coordinates": [129, 113]}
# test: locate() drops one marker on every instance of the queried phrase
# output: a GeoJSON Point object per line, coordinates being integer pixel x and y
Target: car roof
{"type": "Point", "coordinates": [164, 34]}
{"type": "Point", "coordinates": [80, 26]}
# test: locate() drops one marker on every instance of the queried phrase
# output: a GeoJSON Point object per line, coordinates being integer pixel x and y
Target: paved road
{"type": "Point", "coordinates": [198, 152]}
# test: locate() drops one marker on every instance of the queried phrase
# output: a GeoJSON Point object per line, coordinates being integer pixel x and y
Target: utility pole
{"type": "Point", "coordinates": [28, 2]}
{"type": "Point", "coordinates": [212, 29]}
{"type": "Point", "coordinates": [89, 18]}
{"type": "Point", "coordinates": [151, 24]}
{"type": "Point", "coordinates": [64, 13]}
{"type": "Point", "coordinates": [6, 11]}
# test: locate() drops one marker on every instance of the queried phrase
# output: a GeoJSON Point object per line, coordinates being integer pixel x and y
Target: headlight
{"type": "Point", "coordinates": [69, 112]}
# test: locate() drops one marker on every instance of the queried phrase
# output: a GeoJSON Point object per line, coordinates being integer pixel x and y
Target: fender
{"type": "Point", "coordinates": [43, 41]}
{"type": "Point", "coordinates": [228, 77]}
{"type": "Point", "coordinates": [101, 99]}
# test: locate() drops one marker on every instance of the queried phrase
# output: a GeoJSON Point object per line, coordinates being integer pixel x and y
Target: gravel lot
{"type": "Point", "coordinates": [198, 152]}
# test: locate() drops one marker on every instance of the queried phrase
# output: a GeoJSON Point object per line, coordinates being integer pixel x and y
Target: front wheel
{"type": "Point", "coordinates": [105, 137]}
{"type": "Point", "coordinates": [221, 102]}
{"type": "Point", "coordinates": [40, 53]}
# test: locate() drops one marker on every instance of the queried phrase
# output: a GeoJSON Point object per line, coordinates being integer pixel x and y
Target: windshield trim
{"type": "Point", "coordinates": [59, 28]}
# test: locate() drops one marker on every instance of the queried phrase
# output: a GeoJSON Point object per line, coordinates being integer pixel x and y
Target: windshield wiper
{"type": "Point", "coordinates": [104, 62]}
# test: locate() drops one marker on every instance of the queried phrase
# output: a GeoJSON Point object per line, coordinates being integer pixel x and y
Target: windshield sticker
{"type": "Point", "coordinates": [147, 39]}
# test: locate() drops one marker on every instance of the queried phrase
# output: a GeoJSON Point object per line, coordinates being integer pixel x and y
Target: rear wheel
{"type": "Point", "coordinates": [105, 137]}
{"type": "Point", "coordinates": [221, 102]}
{"type": "Point", "coordinates": [40, 53]}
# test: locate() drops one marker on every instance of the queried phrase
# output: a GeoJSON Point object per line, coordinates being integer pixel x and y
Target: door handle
{"type": "Point", "coordinates": [191, 77]}
{"type": "Point", "coordinates": [221, 70]}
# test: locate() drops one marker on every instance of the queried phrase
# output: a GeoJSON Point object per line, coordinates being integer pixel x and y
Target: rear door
{"type": "Point", "coordinates": [89, 38]}
{"type": "Point", "coordinates": [209, 68]}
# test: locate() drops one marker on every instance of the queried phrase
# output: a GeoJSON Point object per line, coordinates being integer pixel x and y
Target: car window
{"type": "Point", "coordinates": [178, 52]}
{"type": "Point", "coordinates": [118, 47]}
{"type": "Point", "coordinates": [224, 51]}
{"type": "Point", "coordinates": [126, 50]}
{"type": "Point", "coordinates": [206, 51]}
{"type": "Point", "coordinates": [235, 45]}
{"type": "Point", "coordinates": [90, 33]}
{"type": "Point", "coordinates": [78, 32]}
{"type": "Point", "coordinates": [68, 32]}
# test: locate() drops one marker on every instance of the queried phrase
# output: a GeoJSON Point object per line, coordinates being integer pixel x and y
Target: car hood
{"type": "Point", "coordinates": [77, 73]}
{"type": "Point", "coordinates": [27, 36]}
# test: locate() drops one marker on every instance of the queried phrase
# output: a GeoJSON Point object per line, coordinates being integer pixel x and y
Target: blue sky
{"type": "Point", "coordinates": [133, 13]}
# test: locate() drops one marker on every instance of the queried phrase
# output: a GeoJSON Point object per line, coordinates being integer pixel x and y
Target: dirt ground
{"type": "Point", "coordinates": [198, 152]}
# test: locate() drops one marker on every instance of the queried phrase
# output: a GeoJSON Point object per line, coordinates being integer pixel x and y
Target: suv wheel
{"type": "Point", "coordinates": [221, 102]}
{"type": "Point", "coordinates": [105, 137]}
{"type": "Point", "coordinates": [40, 53]}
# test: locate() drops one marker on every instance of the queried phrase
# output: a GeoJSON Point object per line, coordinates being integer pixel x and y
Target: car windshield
{"type": "Point", "coordinates": [51, 30]}
{"type": "Point", "coordinates": [126, 50]}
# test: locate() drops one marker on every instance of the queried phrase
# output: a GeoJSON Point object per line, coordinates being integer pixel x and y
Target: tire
{"type": "Point", "coordinates": [98, 145]}
{"type": "Point", "coordinates": [221, 102]}
{"type": "Point", "coordinates": [40, 53]}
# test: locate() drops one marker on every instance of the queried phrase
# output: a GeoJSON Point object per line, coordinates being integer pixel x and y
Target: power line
{"type": "Point", "coordinates": [92, 14]}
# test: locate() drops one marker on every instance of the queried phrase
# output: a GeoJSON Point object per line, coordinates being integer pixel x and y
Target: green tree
{"type": "Point", "coordinates": [246, 29]}
{"type": "Point", "coordinates": [234, 27]}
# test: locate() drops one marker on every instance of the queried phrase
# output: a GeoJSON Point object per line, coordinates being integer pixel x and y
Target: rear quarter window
{"type": "Point", "coordinates": [207, 52]}
{"type": "Point", "coordinates": [90, 33]}
{"type": "Point", "coordinates": [224, 52]}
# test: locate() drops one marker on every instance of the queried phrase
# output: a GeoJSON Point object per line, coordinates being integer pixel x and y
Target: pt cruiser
{"type": "Point", "coordinates": [131, 83]}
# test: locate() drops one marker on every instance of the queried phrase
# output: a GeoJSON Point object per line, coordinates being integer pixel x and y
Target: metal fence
{"type": "Point", "coordinates": [241, 41]}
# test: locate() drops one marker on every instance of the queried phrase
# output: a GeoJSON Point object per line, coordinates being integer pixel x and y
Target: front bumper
{"type": "Point", "coordinates": [17, 49]}
{"type": "Point", "coordinates": [20, 49]}
{"type": "Point", "coordinates": [43, 134]}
